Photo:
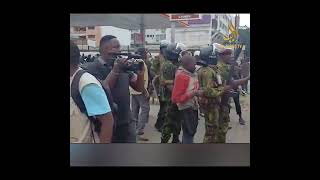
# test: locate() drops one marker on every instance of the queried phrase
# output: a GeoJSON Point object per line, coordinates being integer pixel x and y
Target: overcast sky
{"type": "Point", "coordinates": [245, 20]}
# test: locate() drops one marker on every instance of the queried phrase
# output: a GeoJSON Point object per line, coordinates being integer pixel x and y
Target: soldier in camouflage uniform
{"type": "Point", "coordinates": [155, 69]}
{"type": "Point", "coordinates": [211, 80]}
{"type": "Point", "coordinates": [172, 123]}
{"type": "Point", "coordinates": [210, 83]}
{"type": "Point", "coordinates": [223, 65]}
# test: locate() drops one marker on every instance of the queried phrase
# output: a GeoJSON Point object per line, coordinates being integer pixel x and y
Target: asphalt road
{"type": "Point", "coordinates": [237, 134]}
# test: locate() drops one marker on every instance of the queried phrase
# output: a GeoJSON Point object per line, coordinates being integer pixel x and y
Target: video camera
{"type": "Point", "coordinates": [133, 63]}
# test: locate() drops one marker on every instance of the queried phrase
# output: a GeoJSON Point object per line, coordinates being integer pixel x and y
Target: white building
{"type": "Point", "coordinates": [198, 33]}
{"type": "Point", "coordinates": [152, 36]}
{"type": "Point", "coordinates": [212, 27]}
{"type": "Point", "coordinates": [123, 35]}
{"type": "Point", "coordinates": [91, 35]}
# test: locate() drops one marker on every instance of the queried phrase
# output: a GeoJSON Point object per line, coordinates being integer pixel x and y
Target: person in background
{"type": "Point", "coordinates": [82, 59]}
{"type": "Point", "coordinates": [236, 98]}
{"type": "Point", "coordinates": [156, 69]}
{"type": "Point", "coordinates": [89, 59]}
{"type": "Point", "coordinates": [196, 54]}
{"type": "Point", "coordinates": [140, 100]}
{"type": "Point", "coordinates": [87, 90]}
{"type": "Point", "coordinates": [245, 72]}
{"type": "Point", "coordinates": [184, 94]}
{"type": "Point", "coordinates": [183, 53]}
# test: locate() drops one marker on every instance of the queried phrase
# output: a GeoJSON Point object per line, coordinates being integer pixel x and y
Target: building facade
{"type": "Point", "coordinates": [86, 37]}
{"type": "Point", "coordinates": [210, 28]}
{"type": "Point", "coordinates": [152, 36]}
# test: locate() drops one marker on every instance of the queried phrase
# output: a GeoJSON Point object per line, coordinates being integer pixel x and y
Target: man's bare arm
{"type": "Point", "coordinates": [106, 127]}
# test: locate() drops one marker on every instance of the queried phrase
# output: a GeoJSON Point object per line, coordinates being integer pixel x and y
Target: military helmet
{"type": "Point", "coordinates": [173, 50]}
{"type": "Point", "coordinates": [196, 53]}
{"type": "Point", "coordinates": [221, 49]}
{"type": "Point", "coordinates": [164, 43]}
{"type": "Point", "coordinates": [208, 56]}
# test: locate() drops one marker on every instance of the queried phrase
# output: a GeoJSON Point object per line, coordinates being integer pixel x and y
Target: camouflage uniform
{"type": "Point", "coordinates": [224, 120]}
{"type": "Point", "coordinates": [172, 124]}
{"type": "Point", "coordinates": [150, 88]}
{"type": "Point", "coordinates": [155, 69]}
{"type": "Point", "coordinates": [209, 103]}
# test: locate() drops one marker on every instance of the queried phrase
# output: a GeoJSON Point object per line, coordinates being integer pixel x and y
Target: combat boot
{"type": "Point", "coordinates": [241, 121]}
{"type": "Point", "coordinates": [163, 141]}
{"type": "Point", "coordinates": [175, 139]}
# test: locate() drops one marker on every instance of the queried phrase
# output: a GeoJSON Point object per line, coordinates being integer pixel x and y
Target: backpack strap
{"type": "Point", "coordinates": [76, 96]}
{"type": "Point", "coordinates": [75, 93]}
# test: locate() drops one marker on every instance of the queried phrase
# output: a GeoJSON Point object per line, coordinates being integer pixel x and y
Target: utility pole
{"type": "Point", "coordinates": [142, 30]}
{"type": "Point", "coordinates": [173, 29]}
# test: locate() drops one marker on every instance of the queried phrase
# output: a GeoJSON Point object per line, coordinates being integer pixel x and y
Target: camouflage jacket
{"type": "Point", "coordinates": [167, 74]}
{"type": "Point", "coordinates": [156, 64]}
{"type": "Point", "coordinates": [224, 70]}
{"type": "Point", "coordinates": [209, 83]}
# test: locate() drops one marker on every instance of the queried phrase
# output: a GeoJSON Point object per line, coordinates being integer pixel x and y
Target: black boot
{"type": "Point", "coordinates": [241, 121]}
{"type": "Point", "coordinates": [163, 141]}
{"type": "Point", "coordinates": [158, 127]}
{"type": "Point", "coordinates": [175, 139]}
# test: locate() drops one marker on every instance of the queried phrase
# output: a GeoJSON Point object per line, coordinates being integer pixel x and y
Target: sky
{"type": "Point", "coordinates": [245, 20]}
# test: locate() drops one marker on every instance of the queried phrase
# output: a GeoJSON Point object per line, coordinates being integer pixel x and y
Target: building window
{"type": "Point", "coordinates": [91, 36]}
{"type": "Point", "coordinates": [162, 36]}
{"type": "Point", "coordinates": [79, 28]}
{"type": "Point", "coordinates": [91, 27]}
{"type": "Point", "coordinates": [214, 24]}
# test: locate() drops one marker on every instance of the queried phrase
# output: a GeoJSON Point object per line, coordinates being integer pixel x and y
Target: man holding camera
{"type": "Point", "coordinates": [112, 71]}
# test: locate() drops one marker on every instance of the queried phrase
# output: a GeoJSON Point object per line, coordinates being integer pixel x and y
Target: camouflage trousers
{"type": "Point", "coordinates": [216, 124]}
{"type": "Point", "coordinates": [172, 123]}
{"type": "Point", "coordinates": [224, 120]}
{"type": "Point", "coordinates": [161, 114]}
{"type": "Point", "coordinates": [211, 117]}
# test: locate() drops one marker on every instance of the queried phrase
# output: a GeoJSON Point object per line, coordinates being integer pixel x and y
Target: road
{"type": "Point", "coordinates": [237, 134]}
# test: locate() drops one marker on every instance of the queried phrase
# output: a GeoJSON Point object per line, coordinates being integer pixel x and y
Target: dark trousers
{"type": "Point", "coordinates": [189, 118]}
{"type": "Point", "coordinates": [245, 86]}
{"type": "Point", "coordinates": [161, 114]}
{"type": "Point", "coordinates": [126, 132]}
{"type": "Point", "coordinates": [236, 100]}
{"type": "Point", "coordinates": [172, 123]}
{"type": "Point", "coordinates": [121, 133]}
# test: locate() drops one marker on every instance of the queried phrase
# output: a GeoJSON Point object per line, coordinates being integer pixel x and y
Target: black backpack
{"type": "Point", "coordinates": [76, 96]}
